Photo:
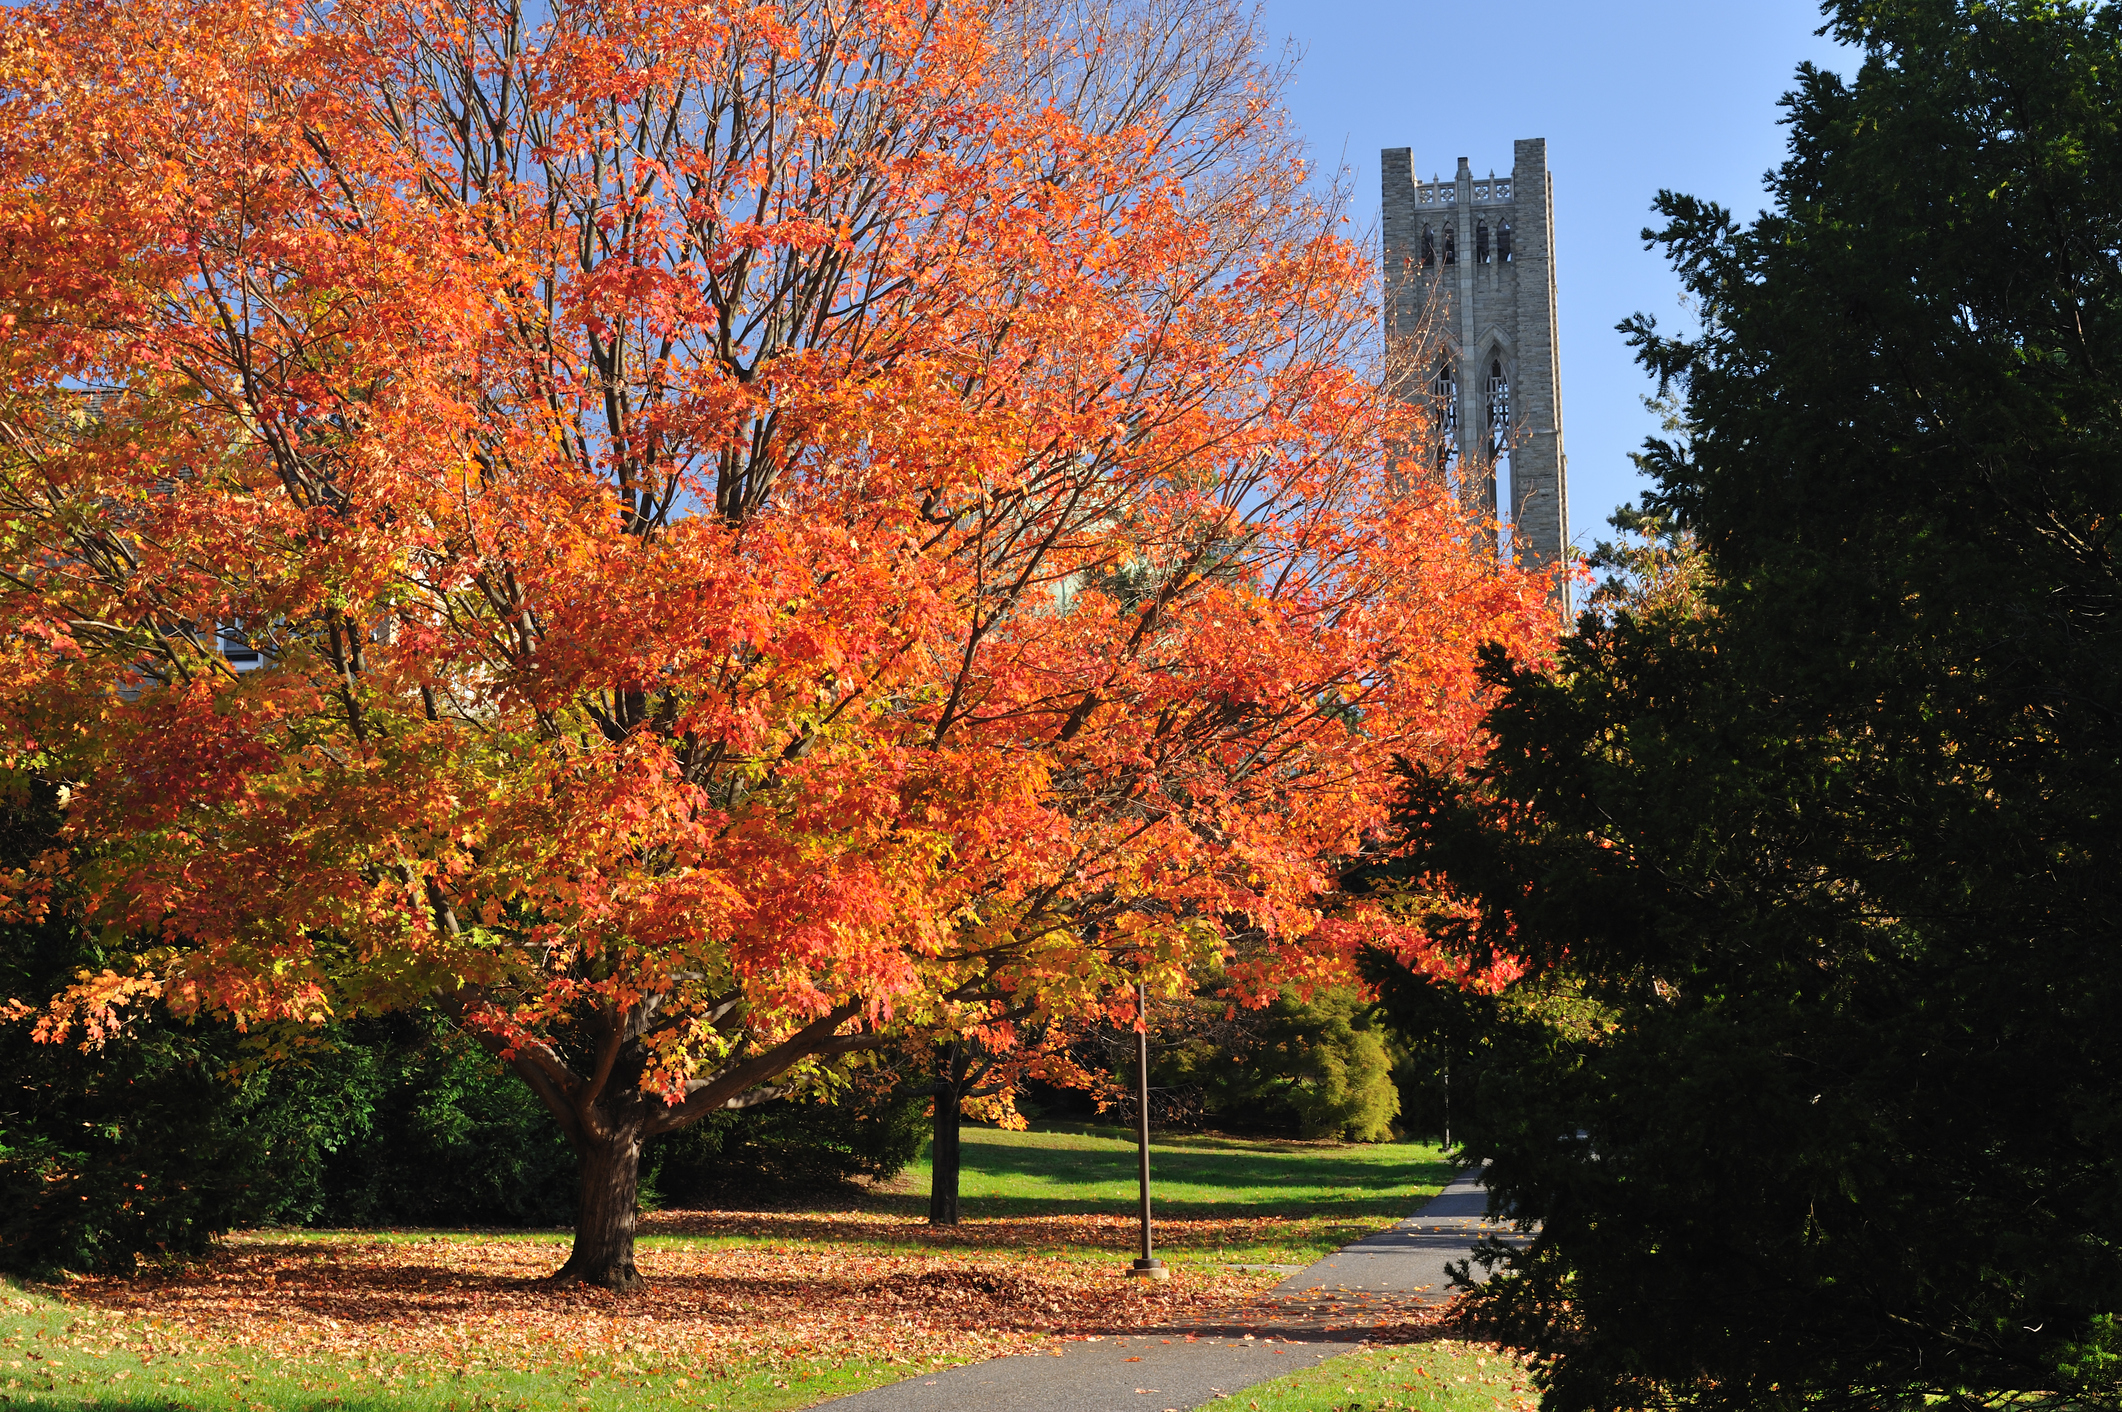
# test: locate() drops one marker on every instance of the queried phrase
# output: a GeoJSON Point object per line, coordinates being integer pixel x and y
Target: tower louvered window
{"type": "Point", "coordinates": [1498, 406]}
{"type": "Point", "coordinates": [1445, 389]}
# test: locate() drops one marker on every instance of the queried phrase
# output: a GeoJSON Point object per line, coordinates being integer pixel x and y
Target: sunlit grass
{"type": "Point", "coordinates": [1069, 1190]}
{"type": "Point", "coordinates": [1309, 1198]}
{"type": "Point", "coordinates": [1064, 1191]}
{"type": "Point", "coordinates": [1075, 1167]}
{"type": "Point", "coordinates": [54, 1354]}
{"type": "Point", "coordinates": [1443, 1376]}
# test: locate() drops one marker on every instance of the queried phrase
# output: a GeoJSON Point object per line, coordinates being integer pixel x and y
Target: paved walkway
{"type": "Point", "coordinates": [1383, 1283]}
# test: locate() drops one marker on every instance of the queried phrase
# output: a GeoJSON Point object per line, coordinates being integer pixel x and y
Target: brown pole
{"type": "Point", "coordinates": [1146, 1267]}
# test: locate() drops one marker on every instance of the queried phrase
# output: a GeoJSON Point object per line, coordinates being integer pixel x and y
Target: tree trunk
{"type": "Point", "coordinates": [604, 1228]}
{"type": "Point", "coordinates": [943, 1153]}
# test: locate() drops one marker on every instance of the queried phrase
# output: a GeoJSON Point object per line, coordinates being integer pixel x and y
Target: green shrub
{"type": "Point", "coordinates": [172, 1133]}
{"type": "Point", "coordinates": [450, 1137]}
{"type": "Point", "coordinates": [151, 1144]}
{"type": "Point", "coordinates": [1317, 1068]}
{"type": "Point", "coordinates": [793, 1144]}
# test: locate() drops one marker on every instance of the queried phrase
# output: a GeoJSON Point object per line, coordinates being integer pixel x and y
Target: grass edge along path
{"type": "Point", "coordinates": [1437, 1375]}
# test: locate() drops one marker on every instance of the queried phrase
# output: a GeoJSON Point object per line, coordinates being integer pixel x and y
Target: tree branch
{"type": "Point", "coordinates": [705, 1096]}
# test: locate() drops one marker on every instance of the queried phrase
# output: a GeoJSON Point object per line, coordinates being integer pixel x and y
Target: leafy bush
{"type": "Point", "coordinates": [449, 1137]}
{"type": "Point", "coordinates": [147, 1145]}
{"type": "Point", "coordinates": [172, 1133]}
{"type": "Point", "coordinates": [801, 1144]}
{"type": "Point", "coordinates": [1317, 1068]}
{"type": "Point", "coordinates": [398, 1121]}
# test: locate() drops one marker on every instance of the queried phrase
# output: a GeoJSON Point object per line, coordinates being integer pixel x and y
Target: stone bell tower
{"type": "Point", "coordinates": [1470, 324]}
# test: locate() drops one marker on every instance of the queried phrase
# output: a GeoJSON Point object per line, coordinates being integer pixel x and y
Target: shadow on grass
{"type": "Point", "coordinates": [423, 1294]}
{"type": "Point", "coordinates": [1251, 1179]}
{"type": "Point", "coordinates": [1113, 1132]}
{"type": "Point", "coordinates": [1360, 1206]}
{"type": "Point", "coordinates": [1211, 1193]}
{"type": "Point", "coordinates": [1306, 1233]}
{"type": "Point", "coordinates": [1228, 1179]}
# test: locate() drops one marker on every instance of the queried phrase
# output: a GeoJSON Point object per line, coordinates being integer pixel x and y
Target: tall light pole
{"type": "Point", "coordinates": [1146, 1267]}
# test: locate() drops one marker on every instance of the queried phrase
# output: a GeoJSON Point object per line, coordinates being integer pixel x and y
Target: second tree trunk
{"type": "Point", "coordinates": [944, 1152]}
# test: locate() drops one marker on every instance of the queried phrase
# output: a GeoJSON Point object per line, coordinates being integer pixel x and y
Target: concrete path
{"type": "Point", "coordinates": [1408, 1258]}
{"type": "Point", "coordinates": [1363, 1291]}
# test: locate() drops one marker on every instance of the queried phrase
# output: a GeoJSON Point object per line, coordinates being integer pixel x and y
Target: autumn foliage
{"type": "Point", "coordinates": [760, 527]}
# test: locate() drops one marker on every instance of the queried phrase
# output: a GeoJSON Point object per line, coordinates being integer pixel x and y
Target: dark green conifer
{"type": "Point", "coordinates": [1829, 823]}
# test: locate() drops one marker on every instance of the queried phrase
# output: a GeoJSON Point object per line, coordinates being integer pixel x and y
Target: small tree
{"type": "Point", "coordinates": [688, 538]}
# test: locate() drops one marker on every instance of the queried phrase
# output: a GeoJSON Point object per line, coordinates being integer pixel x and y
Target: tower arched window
{"type": "Point", "coordinates": [1451, 245]}
{"type": "Point", "coordinates": [1503, 243]}
{"type": "Point", "coordinates": [1429, 245]}
{"type": "Point", "coordinates": [1481, 243]}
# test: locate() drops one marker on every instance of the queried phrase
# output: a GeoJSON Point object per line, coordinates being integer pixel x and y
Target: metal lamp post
{"type": "Point", "coordinates": [1146, 1267]}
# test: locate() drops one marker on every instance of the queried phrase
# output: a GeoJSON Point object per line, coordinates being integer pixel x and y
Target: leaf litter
{"type": "Point", "coordinates": [369, 1313]}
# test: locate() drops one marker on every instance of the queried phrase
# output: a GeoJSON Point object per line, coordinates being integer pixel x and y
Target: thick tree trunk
{"type": "Point", "coordinates": [607, 1118]}
{"type": "Point", "coordinates": [604, 1228]}
{"type": "Point", "coordinates": [944, 1152]}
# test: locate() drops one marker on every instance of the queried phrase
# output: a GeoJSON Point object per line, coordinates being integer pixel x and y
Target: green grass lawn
{"type": "Point", "coordinates": [55, 1354]}
{"type": "Point", "coordinates": [1069, 1189]}
{"type": "Point", "coordinates": [1424, 1377]}
{"type": "Point", "coordinates": [1063, 1191]}
{"type": "Point", "coordinates": [1063, 1168]}
{"type": "Point", "coordinates": [1303, 1200]}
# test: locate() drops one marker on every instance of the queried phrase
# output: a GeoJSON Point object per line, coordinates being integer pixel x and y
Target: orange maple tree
{"type": "Point", "coordinates": [698, 537]}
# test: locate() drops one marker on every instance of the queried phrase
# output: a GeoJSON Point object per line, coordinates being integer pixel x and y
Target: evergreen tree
{"type": "Point", "coordinates": [1829, 830]}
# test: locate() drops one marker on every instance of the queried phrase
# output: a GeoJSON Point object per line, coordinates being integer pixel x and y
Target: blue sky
{"type": "Point", "coordinates": [1631, 95]}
